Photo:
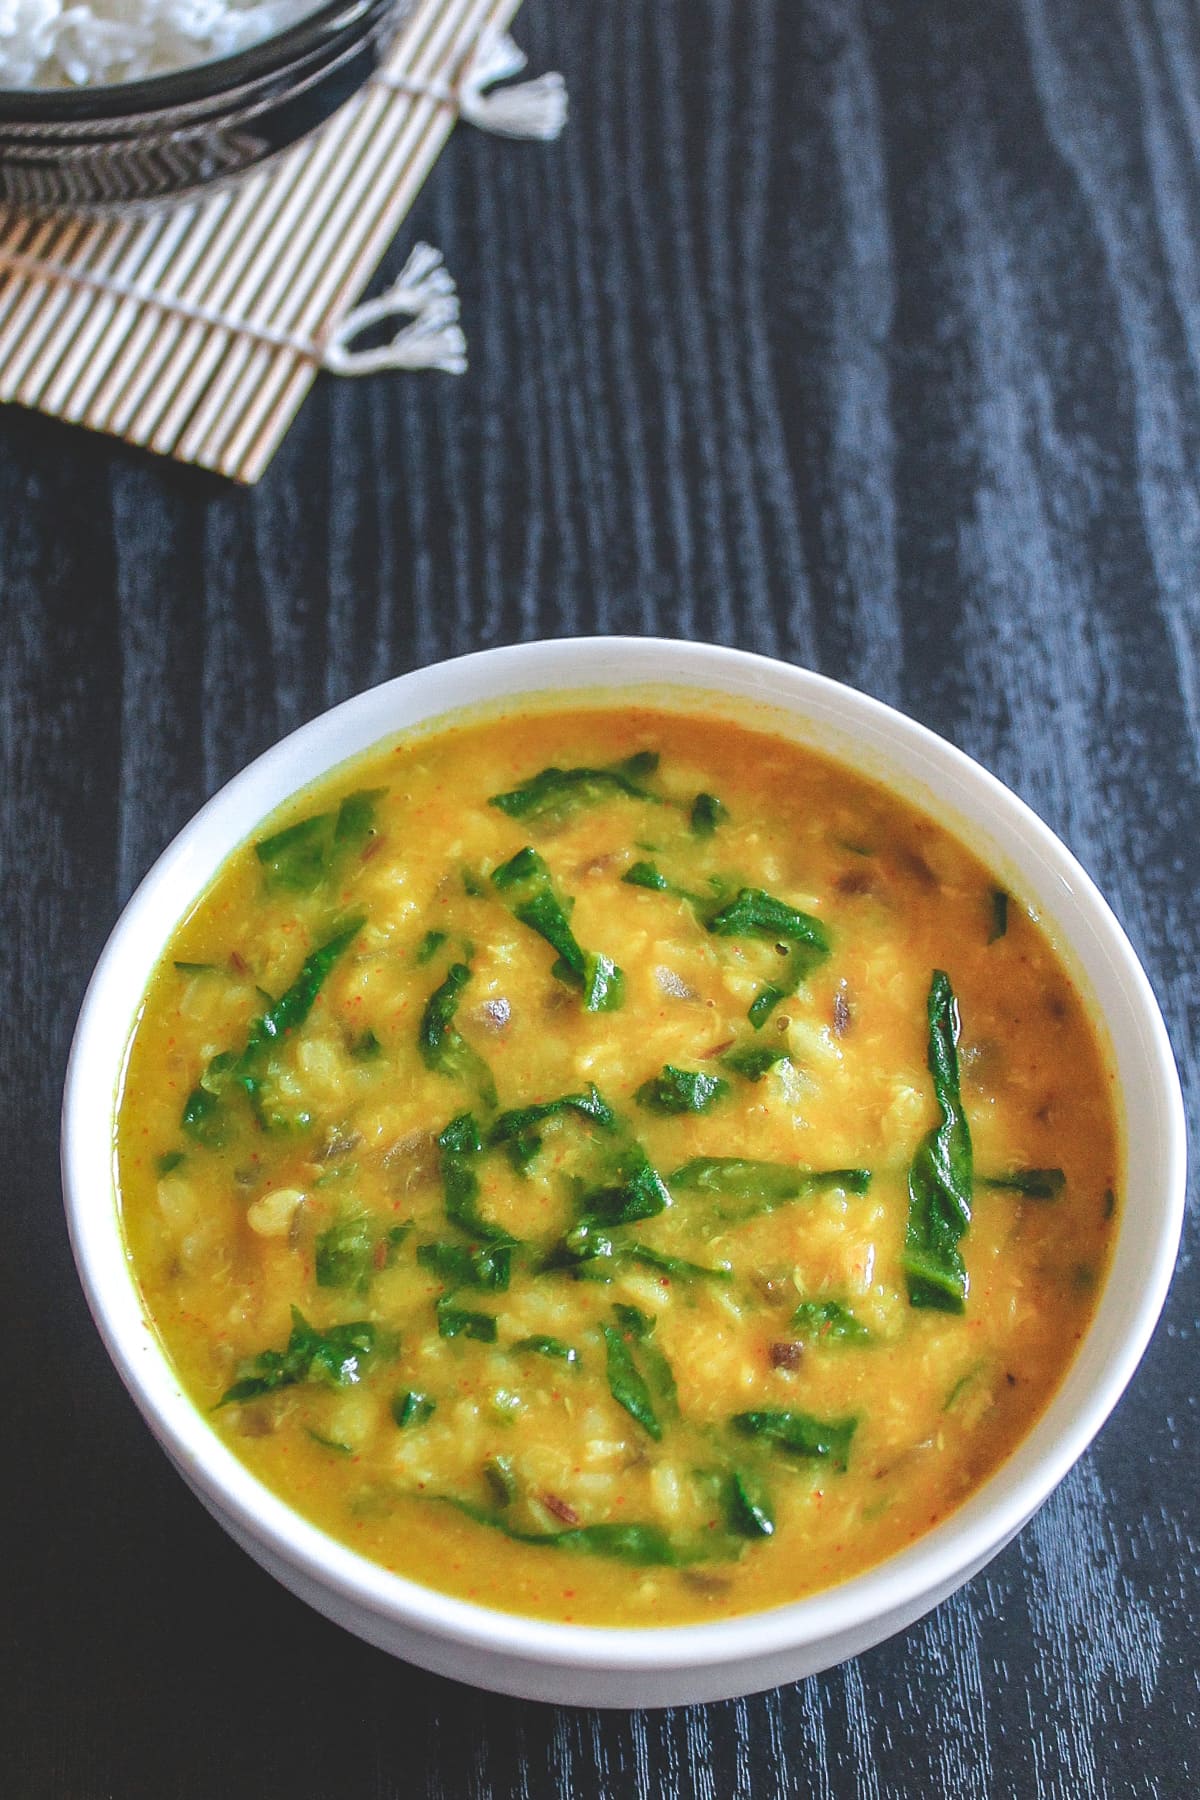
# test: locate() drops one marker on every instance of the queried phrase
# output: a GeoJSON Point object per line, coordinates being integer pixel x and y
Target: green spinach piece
{"type": "Point", "coordinates": [556, 792]}
{"type": "Point", "coordinates": [637, 1192]}
{"type": "Point", "coordinates": [999, 919]}
{"type": "Point", "coordinates": [169, 1161]}
{"type": "Point", "coordinates": [488, 1267]}
{"type": "Point", "coordinates": [335, 1356]}
{"type": "Point", "coordinates": [345, 1254]}
{"type": "Point", "coordinates": [755, 914]}
{"type": "Point", "coordinates": [428, 948]}
{"type": "Point", "coordinates": [819, 1321]}
{"type": "Point", "coordinates": [707, 813]}
{"type": "Point", "coordinates": [455, 1321]}
{"type": "Point", "coordinates": [204, 1114]}
{"type": "Point", "coordinates": [800, 1434]}
{"type": "Point", "coordinates": [627, 1384]}
{"type": "Point", "coordinates": [295, 859]}
{"type": "Point", "coordinates": [681, 1091]}
{"type": "Point", "coordinates": [458, 1146]}
{"type": "Point", "coordinates": [1031, 1184]}
{"type": "Point", "coordinates": [753, 1061]}
{"type": "Point", "coordinates": [366, 1046]}
{"type": "Point", "coordinates": [301, 856]}
{"type": "Point", "coordinates": [528, 887]}
{"type": "Point", "coordinates": [541, 1345]}
{"type": "Point", "coordinates": [442, 1045]}
{"type": "Point", "coordinates": [328, 1443]}
{"type": "Point", "coordinates": [748, 1506]}
{"type": "Point", "coordinates": [941, 1175]}
{"type": "Point", "coordinates": [629, 1541]}
{"type": "Point", "coordinates": [517, 1130]}
{"type": "Point", "coordinates": [412, 1408]}
{"type": "Point", "coordinates": [660, 1377]}
{"type": "Point", "coordinates": [677, 1266]}
{"type": "Point", "coordinates": [743, 1187]}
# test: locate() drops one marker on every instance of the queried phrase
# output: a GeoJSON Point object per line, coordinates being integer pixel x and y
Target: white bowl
{"type": "Point", "coordinates": [667, 1665]}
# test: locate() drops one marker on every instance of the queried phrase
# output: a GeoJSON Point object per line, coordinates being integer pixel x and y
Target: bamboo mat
{"type": "Point", "coordinates": [196, 329]}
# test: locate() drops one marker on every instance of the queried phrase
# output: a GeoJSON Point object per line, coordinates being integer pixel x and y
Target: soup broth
{"type": "Point", "coordinates": [615, 1165]}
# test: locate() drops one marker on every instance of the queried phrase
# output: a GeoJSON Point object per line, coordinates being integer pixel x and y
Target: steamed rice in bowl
{"type": "Point", "coordinates": [49, 44]}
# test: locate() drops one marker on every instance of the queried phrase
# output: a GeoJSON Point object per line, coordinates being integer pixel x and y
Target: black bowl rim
{"type": "Point", "coordinates": [199, 81]}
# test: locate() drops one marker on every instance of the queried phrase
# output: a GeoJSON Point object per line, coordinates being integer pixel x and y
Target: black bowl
{"type": "Point", "coordinates": [141, 140]}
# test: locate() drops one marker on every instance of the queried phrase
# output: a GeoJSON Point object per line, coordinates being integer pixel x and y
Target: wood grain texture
{"type": "Point", "coordinates": [861, 333]}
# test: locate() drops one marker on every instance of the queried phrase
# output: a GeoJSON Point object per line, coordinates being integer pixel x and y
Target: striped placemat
{"type": "Point", "coordinates": [195, 329]}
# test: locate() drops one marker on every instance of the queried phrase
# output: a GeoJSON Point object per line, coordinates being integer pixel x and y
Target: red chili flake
{"type": "Point", "coordinates": [560, 1509]}
{"type": "Point", "coordinates": [786, 1355]}
{"type": "Point", "coordinates": [370, 848]}
{"type": "Point", "coordinates": [717, 1049]}
{"type": "Point", "coordinates": [380, 1256]}
{"type": "Point", "coordinates": [239, 963]}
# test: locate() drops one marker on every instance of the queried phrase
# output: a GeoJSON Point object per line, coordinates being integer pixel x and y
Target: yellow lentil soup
{"type": "Point", "coordinates": [615, 1166]}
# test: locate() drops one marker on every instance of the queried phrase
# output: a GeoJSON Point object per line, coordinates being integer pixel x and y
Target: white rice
{"type": "Point", "coordinates": [59, 43]}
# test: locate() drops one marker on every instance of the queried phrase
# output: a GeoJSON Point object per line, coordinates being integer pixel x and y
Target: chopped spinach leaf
{"type": "Point", "coordinates": [626, 1383]}
{"type": "Point", "coordinates": [429, 946]}
{"type": "Point", "coordinates": [411, 1408]}
{"type": "Point", "coordinates": [941, 1175]}
{"type": "Point", "coordinates": [748, 1506]}
{"type": "Point", "coordinates": [1031, 1184]}
{"type": "Point", "coordinates": [301, 856]}
{"type": "Point", "coordinates": [764, 1003]}
{"type": "Point", "coordinates": [454, 1321]}
{"type": "Point", "coordinates": [366, 1046]}
{"type": "Point", "coordinates": [517, 1129]}
{"type": "Point", "coordinates": [295, 860]}
{"type": "Point", "coordinates": [526, 883]}
{"type": "Point", "coordinates": [335, 1356]}
{"type": "Point", "coordinates": [540, 1345]}
{"type": "Point", "coordinates": [999, 911]}
{"type": "Point", "coordinates": [752, 1061]}
{"type": "Point", "coordinates": [442, 1045]}
{"type": "Point", "coordinates": [345, 1254]}
{"type": "Point", "coordinates": [707, 813]}
{"type": "Point", "coordinates": [800, 1434]}
{"type": "Point", "coordinates": [356, 820]}
{"type": "Point", "coordinates": [204, 1115]}
{"type": "Point", "coordinates": [328, 1443]}
{"type": "Point", "coordinates": [195, 968]}
{"type": "Point", "coordinates": [489, 1267]}
{"type": "Point", "coordinates": [742, 1187]}
{"type": "Point", "coordinates": [555, 792]}
{"type": "Point", "coordinates": [638, 1192]}
{"type": "Point", "coordinates": [646, 875]}
{"type": "Point", "coordinates": [681, 1091]}
{"type": "Point", "coordinates": [458, 1146]}
{"type": "Point", "coordinates": [168, 1161]}
{"type": "Point", "coordinates": [755, 914]}
{"type": "Point", "coordinates": [629, 1541]}
{"type": "Point", "coordinates": [677, 1266]}
{"type": "Point", "coordinates": [818, 1321]}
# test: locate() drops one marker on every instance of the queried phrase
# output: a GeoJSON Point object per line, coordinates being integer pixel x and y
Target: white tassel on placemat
{"type": "Point", "coordinates": [530, 109]}
{"type": "Point", "coordinates": [425, 289]}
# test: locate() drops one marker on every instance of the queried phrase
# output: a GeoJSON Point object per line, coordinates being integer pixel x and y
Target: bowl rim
{"type": "Point", "coordinates": [183, 88]}
{"type": "Point", "coordinates": [938, 1558]}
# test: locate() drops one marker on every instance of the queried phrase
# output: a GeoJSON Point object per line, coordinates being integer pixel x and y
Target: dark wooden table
{"type": "Point", "coordinates": [866, 334]}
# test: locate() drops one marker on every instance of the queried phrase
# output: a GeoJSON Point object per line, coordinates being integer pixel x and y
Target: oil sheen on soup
{"type": "Point", "coordinates": [615, 1165]}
